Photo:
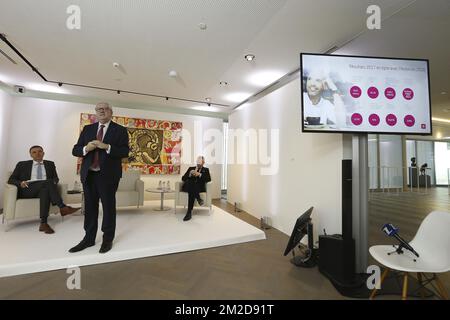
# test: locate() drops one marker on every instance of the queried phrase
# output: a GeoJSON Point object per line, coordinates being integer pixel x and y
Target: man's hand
{"type": "Point", "coordinates": [24, 184]}
{"type": "Point", "coordinates": [91, 146]}
{"type": "Point", "coordinates": [196, 174]}
{"type": "Point", "coordinates": [101, 145]}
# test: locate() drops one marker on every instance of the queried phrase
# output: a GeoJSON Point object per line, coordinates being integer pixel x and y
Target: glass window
{"type": "Point", "coordinates": [442, 157]}
{"type": "Point", "coordinates": [425, 155]}
{"type": "Point", "coordinates": [373, 161]}
{"type": "Point", "coordinates": [391, 163]}
{"type": "Point", "coordinates": [410, 153]}
{"type": "Point", "coordinates": [225, 156]}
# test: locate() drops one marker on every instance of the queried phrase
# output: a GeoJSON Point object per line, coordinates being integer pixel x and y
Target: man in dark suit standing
{"type": "Point", "coordinates": [102, 146]}
{"type": "Point", "coordinates": [38, 178]}
{"type": "Point", "coordinates": [195, 180]}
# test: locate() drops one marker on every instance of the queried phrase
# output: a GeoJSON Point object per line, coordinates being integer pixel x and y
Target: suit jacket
{"type": "Point", "coordinates": [22, 172]}
{"type": "Point", "coordinates": [197, 184]}
{"type": "Point", "coordinates": [110, 164]}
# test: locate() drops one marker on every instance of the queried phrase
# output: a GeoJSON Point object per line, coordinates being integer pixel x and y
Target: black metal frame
{"type": "Point", "coordinates": [60, 83]}
{"type": "Point", "coordinates": [363, 131]}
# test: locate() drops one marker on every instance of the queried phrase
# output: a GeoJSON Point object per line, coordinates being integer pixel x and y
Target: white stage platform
{"type": "Point", "coordinates": [140, 233]}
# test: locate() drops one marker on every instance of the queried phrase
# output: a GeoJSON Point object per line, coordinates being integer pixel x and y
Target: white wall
{"type": "Point", "coordinates": [55, 126]}
{"type": "Point", "coordinates": [309, 171]}
{"type": "Point", "coordinates": [5, 121]}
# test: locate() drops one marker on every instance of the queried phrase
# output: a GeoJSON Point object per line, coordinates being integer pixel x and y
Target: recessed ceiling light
{"type": "Point", "coordinates": [203, 26]}
{"type": "Point", "coordinates": [249, 57]}
{"type": "Point", "coordinates": [223, 83]}
{"type": "Point", "coordinates": [443, 92]}
{"type": "Point", "coordinates": [173, 74]}
{"type": "Point", "coordinates": [208, 99]}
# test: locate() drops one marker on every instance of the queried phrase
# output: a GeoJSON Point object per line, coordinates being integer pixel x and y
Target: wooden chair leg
{"type": "Point", "coordinates": [405, 286]}
{"type": "Point", "coordinates": [421, 290]}
{"type": "Point", "coordinates": [441, 288]}
{"type": "Point", "coordinates": [383, 276]}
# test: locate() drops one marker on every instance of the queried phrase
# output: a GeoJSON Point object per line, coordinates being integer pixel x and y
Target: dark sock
{"type": "Point", "coordinates": [43, 220]}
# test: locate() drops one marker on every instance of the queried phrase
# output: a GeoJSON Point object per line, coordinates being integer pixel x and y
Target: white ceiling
{"type": "Point", "coordinates": [151, 37]}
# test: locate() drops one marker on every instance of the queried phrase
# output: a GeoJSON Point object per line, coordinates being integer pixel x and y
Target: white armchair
{"type": "Point", "coordinates": [181, 198]}
{"type": "Point", "coordinates": [14, 208]}
{"type": "Point", "coordinates": [131, 189]}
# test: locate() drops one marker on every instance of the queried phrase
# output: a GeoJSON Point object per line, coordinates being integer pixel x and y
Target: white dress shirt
{"type": "Point", "coordinates": [34, 171]}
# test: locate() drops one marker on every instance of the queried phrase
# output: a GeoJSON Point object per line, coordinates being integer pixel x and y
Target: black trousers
{"type": "Point", "coordinates": [193, 190]}
{"type": "Point", "coordinates": [95, 189]}
{"type": "Point", "coordinates": [46, 191]}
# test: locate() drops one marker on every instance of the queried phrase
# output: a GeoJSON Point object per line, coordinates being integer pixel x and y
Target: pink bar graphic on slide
{"type": "Point", "coordinates": [374, 119]}
{"type": "Point", "coordinates": [357, 119]}
{"type": "Point", "coordinates": [372, 92]}
{"type": "Point", "coordinates": [408, 94]}
{"type": "Point", "coordinates": [389, 93]}
{"type": "Point", "coordinates": [409, 120]}
{"type": "Point", "coordinates": [391, 120]}
{"type": "Point", "coordinates": [355, 92]}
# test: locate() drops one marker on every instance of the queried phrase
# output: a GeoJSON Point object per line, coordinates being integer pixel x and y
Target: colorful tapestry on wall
{"type": "Point", "coordinates": [155, 145]}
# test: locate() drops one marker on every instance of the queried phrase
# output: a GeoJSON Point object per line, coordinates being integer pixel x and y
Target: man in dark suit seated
{"type": "Point", "coordinates": [195, 180]}
{"type": "Point", "coordinates": [37, 178]}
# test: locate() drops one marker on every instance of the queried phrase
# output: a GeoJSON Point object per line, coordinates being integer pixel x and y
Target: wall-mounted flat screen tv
{"type": "Point", "coordinates": [352, 94]}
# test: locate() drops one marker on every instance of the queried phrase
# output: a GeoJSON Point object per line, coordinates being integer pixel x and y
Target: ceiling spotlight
{"type": "Point", "coordinates": [223, 83]}
{"type": "Point", "coordinates": [60, 84]}
{"type": "Point", "coordinates": [167, 98]}
{"type": "Point", "coordinates": [173, 74]}
{"type": "Point", "coordinates": [202, 26]}
{"type": "Point", "coordinates": [443, 92]}
{"type": "Point", "coordinates": [116, 64]}
{"type": "Point", "coordinates": [208, 99]}
{"type": "Point", "coordinates": [249, 57]}
{"type": "Point", "coordinates": [209, 104]}
{"type": "Point", "coordinates": [118, 91]}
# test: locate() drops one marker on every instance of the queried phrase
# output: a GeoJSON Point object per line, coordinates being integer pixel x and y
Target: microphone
{"type": "Point", "coordinates": [390, 230]}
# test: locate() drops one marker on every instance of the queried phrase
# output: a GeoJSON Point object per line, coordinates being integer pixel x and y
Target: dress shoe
{"type": "Point", "coordinates": [67, 210]}
{"type": "Point", "coordinates": [81, 246]}
{"type": "Point", "coordinates": [200, 201]}
{"type": "Point", "coordinates": [44, 227]}
{"type": "Point", "coordinates": [106, 246]}
{"type": "Point", "coordinates": [187, 217]}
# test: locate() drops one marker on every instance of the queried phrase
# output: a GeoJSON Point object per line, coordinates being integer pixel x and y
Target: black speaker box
{"type": "Point", "coordinates": [337, 258]}
{"type": "Point", "coordinates": [347, 208]}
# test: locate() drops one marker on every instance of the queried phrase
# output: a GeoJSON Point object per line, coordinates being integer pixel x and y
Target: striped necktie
{"type": "Point", "coordinates": [96, 162]}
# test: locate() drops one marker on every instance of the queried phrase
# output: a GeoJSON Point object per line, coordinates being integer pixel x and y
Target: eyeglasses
{"type": "Point", "coordinates": [102, 109]}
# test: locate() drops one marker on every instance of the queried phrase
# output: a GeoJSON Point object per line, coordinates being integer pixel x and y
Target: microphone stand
{"type": "Point", "coordinates": [399, 250]}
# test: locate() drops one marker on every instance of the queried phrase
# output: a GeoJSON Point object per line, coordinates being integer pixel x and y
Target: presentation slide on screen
{"type": "Point", "coordinates": [358, 94]}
